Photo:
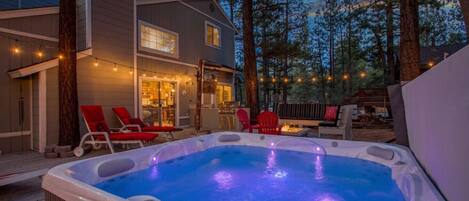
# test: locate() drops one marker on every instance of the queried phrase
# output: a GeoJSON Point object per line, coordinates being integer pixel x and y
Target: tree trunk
{"type": "Point", "coordinates": [409, 44]}
{"type": "Point", "coordinates": [68, 97]}
{"type": "Point", "coordinates": [465, 11]}
{"type": "Point", "coordinates": [390, 42]}
{"type": "Point", "coordinates": [250, 67]}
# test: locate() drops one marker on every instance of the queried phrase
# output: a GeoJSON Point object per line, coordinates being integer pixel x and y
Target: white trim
{"type": "Point", "coordinates": [15, 134]}
{"type": "Point", "coordinates": [223, 69]}
{"type": "Point", "coordinates": [161, 29]}
{"type": "Point", "coordinates": [30, 35]}
{"type": "Point", "coordinates": [207, 23]}
{"type": "Point", "coordinates": [136, 87]}
{"type": "Point", "coordinates": [44, 65]}
{"type": "Point", "coordinates": [88, 23]}
{"type": "Point", "coordinates": [166, 60]}
{"type": "Point", "coordinates": [140, 108]}
{"type": "Point", "coordinates": [212, 18]}
{"type": "Point", "coordinates": [28, 12]}
{"type": "Point", "coordinates": [42, 121]}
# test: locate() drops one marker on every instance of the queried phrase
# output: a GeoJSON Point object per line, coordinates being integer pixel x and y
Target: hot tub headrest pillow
{"type": "Point", "coordinates": [115, 166]}
{"type": "Point", "coordinates": [386, 154]}
{"type": "Point", "coordinates": [229, 138]}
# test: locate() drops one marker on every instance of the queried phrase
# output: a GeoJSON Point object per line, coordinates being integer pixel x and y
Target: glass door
{"type": "Point", "coordinates": [158, 102]}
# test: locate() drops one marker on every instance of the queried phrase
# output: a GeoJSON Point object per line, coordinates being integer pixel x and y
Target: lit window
{"type": "Point", "coordinates": [212, 33]}
{"type": "Point", "coordinates": [158, 40]}
{"type": "Point", "coordinates": [224, 93]}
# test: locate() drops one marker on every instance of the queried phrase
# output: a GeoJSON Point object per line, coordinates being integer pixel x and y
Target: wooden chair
{"type": "Point", "coordinates": [243, 118]}
{"type": "Point", "coordinates": [268, 123]}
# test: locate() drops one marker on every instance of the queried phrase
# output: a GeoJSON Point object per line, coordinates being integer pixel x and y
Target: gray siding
{"type": "Point", "coordinates": [52, 104]}
{"type": "Point", "coordinates": [112, 29]}
{"type": "Point", "coordinates": [112, 40]}
{"type": "Point", "coordinates": [209, 8]}
{"type": "Point", "coordinates": [174, 16]}
{"type": "Point", "coordinates": [14, 89]}
{"type": "Point", "coordinates": [35, 106]}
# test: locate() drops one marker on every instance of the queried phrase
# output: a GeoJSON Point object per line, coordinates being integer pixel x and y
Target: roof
{"type": "Point", "coordinates": [34, 68]}
{"type": "Point", "coordinates": [436, 54]}
{"type": "Point", "coordinates": [24, 4]}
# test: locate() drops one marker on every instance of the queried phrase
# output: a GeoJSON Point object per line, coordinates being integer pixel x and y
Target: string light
{"type": "Point", "coordinates": [314, 79]}
{"type": "Point", "coordinates": [345, 77]}
{"type": "Point", "coordinates": [274, 80]}
{"type": "Point", "coordinates": [144, 75]}
{"type": "Point", "coordinates": [285, 80]}
{"type": "Point", "coordinates": [115, 67]}
{"type": "Point", "coordinates": [61, 56]}
{"type": "Point", "coordinates": [131, 72]}
{"type": "Point", "coordinates": [329, 78]}
{"type": "Point", "coordinates": [96, 63]}
{"type": "Point", "coordinates": [362, 74]}
{"type": "Point", "coordinates": [430, 64]}
{"type": "Point", "coordinates": [16, 49]}
{"type": "Point", "coordinates": [261, 79]}
{"type": "Point", "coordinates": [299, 80]}
{"type": "Point", "coordinates": [39, 54]}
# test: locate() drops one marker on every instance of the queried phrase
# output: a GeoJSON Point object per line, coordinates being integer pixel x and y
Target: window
{"type": "Point", "coordinates": [158, 40]}
{"type": "Point", "coordinates": [212, 35]}
{"type": "Point", "coordinates": [224, 93]}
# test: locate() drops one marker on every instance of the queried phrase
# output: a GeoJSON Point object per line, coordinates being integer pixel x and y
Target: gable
{"type": "Point", "coordinates": [212, 9]}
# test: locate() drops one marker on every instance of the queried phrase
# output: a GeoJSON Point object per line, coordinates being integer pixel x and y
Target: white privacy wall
{"type": "Point", "coordinates": [437, 115]}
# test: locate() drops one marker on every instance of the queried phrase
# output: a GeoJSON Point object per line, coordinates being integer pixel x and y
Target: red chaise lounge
{"type": "Point", "coordinates": [136, 124]}
{"type": "Point", "coordinates": [100, 133]}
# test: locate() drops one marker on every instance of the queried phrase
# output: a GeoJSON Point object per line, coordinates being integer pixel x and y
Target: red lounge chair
{"type": "Point", "coordinates": [268, 123]}
{"type": "Point", "coordinates": [243, 118]}
{"type": "Point", "coordinates": [100, 133]}
{"type": "Point", "coordinates": [136, 124]}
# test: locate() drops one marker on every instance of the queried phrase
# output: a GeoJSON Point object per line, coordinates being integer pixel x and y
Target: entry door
{"type": "Point", "coordinates": [158, 102]}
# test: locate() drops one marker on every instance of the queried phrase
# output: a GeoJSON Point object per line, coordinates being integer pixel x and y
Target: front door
{"type": "Point", "coordinates": [158, 102]}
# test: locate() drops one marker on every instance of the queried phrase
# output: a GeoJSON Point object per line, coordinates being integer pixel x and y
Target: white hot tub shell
{"type": "Point", "coordinates": [74, 181]}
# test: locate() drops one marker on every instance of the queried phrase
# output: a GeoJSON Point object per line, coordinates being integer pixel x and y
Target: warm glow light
{"type": "Point", "coordinates": [261, 79]}
{"type": "Point", "coordinates": [131, 72]}
{"type": "Point", "coordinates": [285, 80]}
{"type": "Point", "coordinates": [96, 63]}
{"type": "Point", "coordinates": [39, 54]}
{"type": "Point", "coordinates": [299, 80]}
{"type": "Point", "coordinates": [114, 69]}
{"type": "Point", "coordinates": [16, 50]}
{"type": "Point", "coordinates": [314, 79]}
{"type": "Point", "coordinates": [345, 77]}
{"type": "Point", "coordinates": [273, 79]}
{"type": "Point", "coordinates": [362, 75]}
{"type": "Point", "coordinates": [329, 78]}
{"type": "Point", "coordinates": [430, 64]}
{"type": "Point", "coordinates": [61, 56]}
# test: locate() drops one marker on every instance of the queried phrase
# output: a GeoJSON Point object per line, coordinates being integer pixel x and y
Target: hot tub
{"type": "Point", "coordinates": [242, 166]}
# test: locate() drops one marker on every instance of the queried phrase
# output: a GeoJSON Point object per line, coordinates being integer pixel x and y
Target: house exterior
{"type": "Point", "coordinates": [141, 54]}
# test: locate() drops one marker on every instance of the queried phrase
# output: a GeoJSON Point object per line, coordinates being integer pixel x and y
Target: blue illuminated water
{"type": "Point", "coordinates": [243, 173]}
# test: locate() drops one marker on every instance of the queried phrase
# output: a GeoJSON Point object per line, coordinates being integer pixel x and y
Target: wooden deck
{"type": "Point", "coordinates": [20, 172]}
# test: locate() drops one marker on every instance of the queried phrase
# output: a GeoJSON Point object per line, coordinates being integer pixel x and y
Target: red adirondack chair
{"type": "Point", "coordinates": [100, 133]}
{"type": "Point", "coordinates": [243, 118]}
{"type": "Point", "coordinates": [268, 123]}
{"type": "Point", "coordinates": [136, 124]}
